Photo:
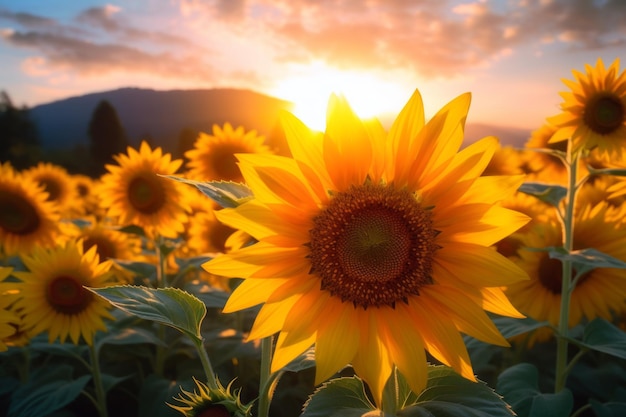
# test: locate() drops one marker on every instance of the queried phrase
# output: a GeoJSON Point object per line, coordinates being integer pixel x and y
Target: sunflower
{"type": "Point", "coordinates": [112, 244]}
{"type": "Point", "coordinates": [27, 219]}
{"type": "Point", "coordinates": [57, 182]}
{"type": "Point", "coordinates": [134, 193]}
{"type": "Point", "coordinates": [374, 246]}
{"type": "Point", "coordinates": [213, 156]}
{"type": "Point", "coordinates": [598, 293]}
{"type": "Point", "coordinates": [53, 295]}
{"type": "Point", "coordinates": [207, 402]}
{"type": "Point", "coordinates": [594, 111]}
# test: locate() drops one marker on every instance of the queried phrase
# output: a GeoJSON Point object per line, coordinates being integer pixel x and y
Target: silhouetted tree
{"type": "Point", "coordinates": [19, 143]}
{"type": "Point", "coordinates": [107, 136]}
{"type": "Point", "coordinates": [186, 139]}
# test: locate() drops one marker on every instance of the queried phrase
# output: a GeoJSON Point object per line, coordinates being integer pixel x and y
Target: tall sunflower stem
{"type": "Point", "coordinates": [97, 380]}
{"type": "Point", "coordinates": [566, 278]}
{"type": "Point", "coordinates": [159, 361]}
{"type": "Point", "coordinates": [206, 364]}
{"type": "Point", "coordinates": [265, 399]}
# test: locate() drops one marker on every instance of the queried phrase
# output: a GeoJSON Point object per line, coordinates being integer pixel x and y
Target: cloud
{"type": "Point", "coordinates": [78, 47]}
{"type": "Point", "coordinates": [432, 38]}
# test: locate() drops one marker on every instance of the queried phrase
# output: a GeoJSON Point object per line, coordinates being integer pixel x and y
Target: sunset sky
{"type": "Point", "coordinates": [511, 54]}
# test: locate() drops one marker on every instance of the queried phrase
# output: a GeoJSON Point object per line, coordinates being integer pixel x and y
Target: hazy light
{"type": "Point", "coordinates": [368, 94]}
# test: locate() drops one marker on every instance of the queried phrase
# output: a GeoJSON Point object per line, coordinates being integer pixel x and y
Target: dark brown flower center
{"type": "Point", "coordinates": [52, 188]}
{"type": "Point", "coordinates": [373, 246]}
{"type": "Point", "coordinates": [104, 247]}
{"type": "Point", "coordinates": [213, 410]}
{"type": "Point", "coordinates": [17, 214]}
{"type": "Point", "coordinates": [551, 274]}
{"type": "Point", "coordinates": [217, 235]}
{"type": "Point", "coordinates": [604, 113]}
{"type": "Point", "coordinates": [66, 295]}
{"type": "Point", "coordinates": [146, 193]}
{"type": "Point", "coordinates": [223, 162]}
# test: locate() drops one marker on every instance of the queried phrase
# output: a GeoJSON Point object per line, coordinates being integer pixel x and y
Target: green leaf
{"type": "Point", "coordinates": [548, 193]}
{"type": "Point", "coordinates": [48, 390]}
{"type": "Point", "coordinates": [552, 405]}
{"type": "Point", "coordinates": [142, 269]}
{"type": "Point", "coordinates": [610, 409]}
{"type": "Point", "coordinates": [619, 172]}
{"type": "Point", "coordinates": [130, 336]}
{"type": "Point", "coordinates": [510, 327]}
{"type": "Point", "coordinates": [224, 193]}
{"type": "Point", "coordinates": [585, 260]}
{"type": "Point", "coordinates": [133, 230]}
{"type": "Point", "coordinates": [170, 306]}
{"type": "Point", "coordinates": [211, 297]}
{"type": "Point", "coordinates": [448, 394]}
{"type": "Point", "coordinates": [337, 398]}
{"type": "Point", "coordinates": [519, 386]}
{"type": "Point", "coordinates": [156, 392]}
{"type": "Point", "coordinates": [604, 337]}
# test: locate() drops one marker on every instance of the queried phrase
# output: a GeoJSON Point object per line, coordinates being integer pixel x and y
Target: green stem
{"type": "Point", "coordinates": [264, 391]}
{"type": "Point", "coordinates": [97, 380]}
{"type": "Point", "coordinates": [566, 278]}
{"type": "Point", "coordinates": [159, 361]}
{"type": "Point", "coordinates": [206, 364]}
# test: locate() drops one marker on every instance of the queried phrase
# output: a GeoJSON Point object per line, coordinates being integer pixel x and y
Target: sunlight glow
{"type": "Point", "coordinates": [369, 95]}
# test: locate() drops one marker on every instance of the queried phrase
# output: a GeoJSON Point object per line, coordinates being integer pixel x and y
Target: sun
{"type": "Point", "coordinates": [310, 87]}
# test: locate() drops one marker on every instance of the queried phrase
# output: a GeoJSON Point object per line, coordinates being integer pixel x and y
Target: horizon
{"type": "Point", "coordinates": [511, 56]}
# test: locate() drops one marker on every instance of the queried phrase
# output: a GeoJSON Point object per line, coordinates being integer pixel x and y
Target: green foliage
{"type": "Point", "coordinates": [49, 389]}
{"type": "Point", "coordinates": [169, 306]}
{"type": "Point", "coordinates": [548, 193]}
{"type": "Point", "coordinates": [224, 193]}
{"type": "Point", "coordinates": [519, 386]}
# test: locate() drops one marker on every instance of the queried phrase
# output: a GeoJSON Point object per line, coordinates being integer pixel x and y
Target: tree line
{"type": "Point", "coordinates": [20, 144]}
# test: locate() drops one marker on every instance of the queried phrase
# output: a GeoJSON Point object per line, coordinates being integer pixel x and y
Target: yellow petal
{"type": "Point", "coordinates": [478, 265]}
{"type": "Point", "coordinates": [337, 339]}
{"type": "Point", "coordinates": [251, 292]}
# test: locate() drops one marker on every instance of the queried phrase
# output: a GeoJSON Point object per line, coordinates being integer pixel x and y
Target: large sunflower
{"type": "Point", "coordinates": [598, 293]}
{"type": "Point", "coordinates": [27, 219]}
{"type": "Point", "coordinates": [594, 111]}
{"type": "Point", "coordinates": [53, 295]}
{"type": "Point", "coordinates": [213, 156]}
{"type": "Point", "coordinates": [374, 246]}
{"type": "Point", "coordinates": [133, 193]}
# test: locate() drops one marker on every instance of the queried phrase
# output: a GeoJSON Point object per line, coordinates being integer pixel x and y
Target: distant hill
{"type": "Point", "coordinates": [158, 115]}
{"type": "Point", "coordinates": [162, 115]}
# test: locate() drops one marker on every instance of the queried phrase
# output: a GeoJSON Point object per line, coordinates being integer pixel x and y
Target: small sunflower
{"type": "Point", "coordinates": [53, 297]}
{"type": "Point", "coordinates": [111, 244]}
{"type": "Point", "coordinates": [598, 293]}
{"type": "Point", "coordinates": [133, 193]}
{"type": "Point", "coordinates": [594, 111]}
{"type": "Point", "coordinates": [374, 246]}
{"type": "Point", "coordinates": [207, 402]}
{"type": "Point", "coordinates": [57, 182]}
{"type": "Point", "coordinates": [27, 219]}
{"type": "Point", "coordinates": [213, 156]}
{"type": "Point", "coordinates": [543, 166]}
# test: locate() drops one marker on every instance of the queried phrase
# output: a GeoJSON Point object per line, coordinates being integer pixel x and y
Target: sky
{"type": "Point", "coordinates": [511, 55]}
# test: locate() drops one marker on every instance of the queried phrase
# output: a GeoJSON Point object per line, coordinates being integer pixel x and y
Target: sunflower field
{"type": "Point", "coordinates": [359, 271]}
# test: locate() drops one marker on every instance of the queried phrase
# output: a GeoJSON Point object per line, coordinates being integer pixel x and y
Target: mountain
{"type": "Point", "coordinates": [158, 115]}
{"type": "Point", "coordinates": [162, 115]}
